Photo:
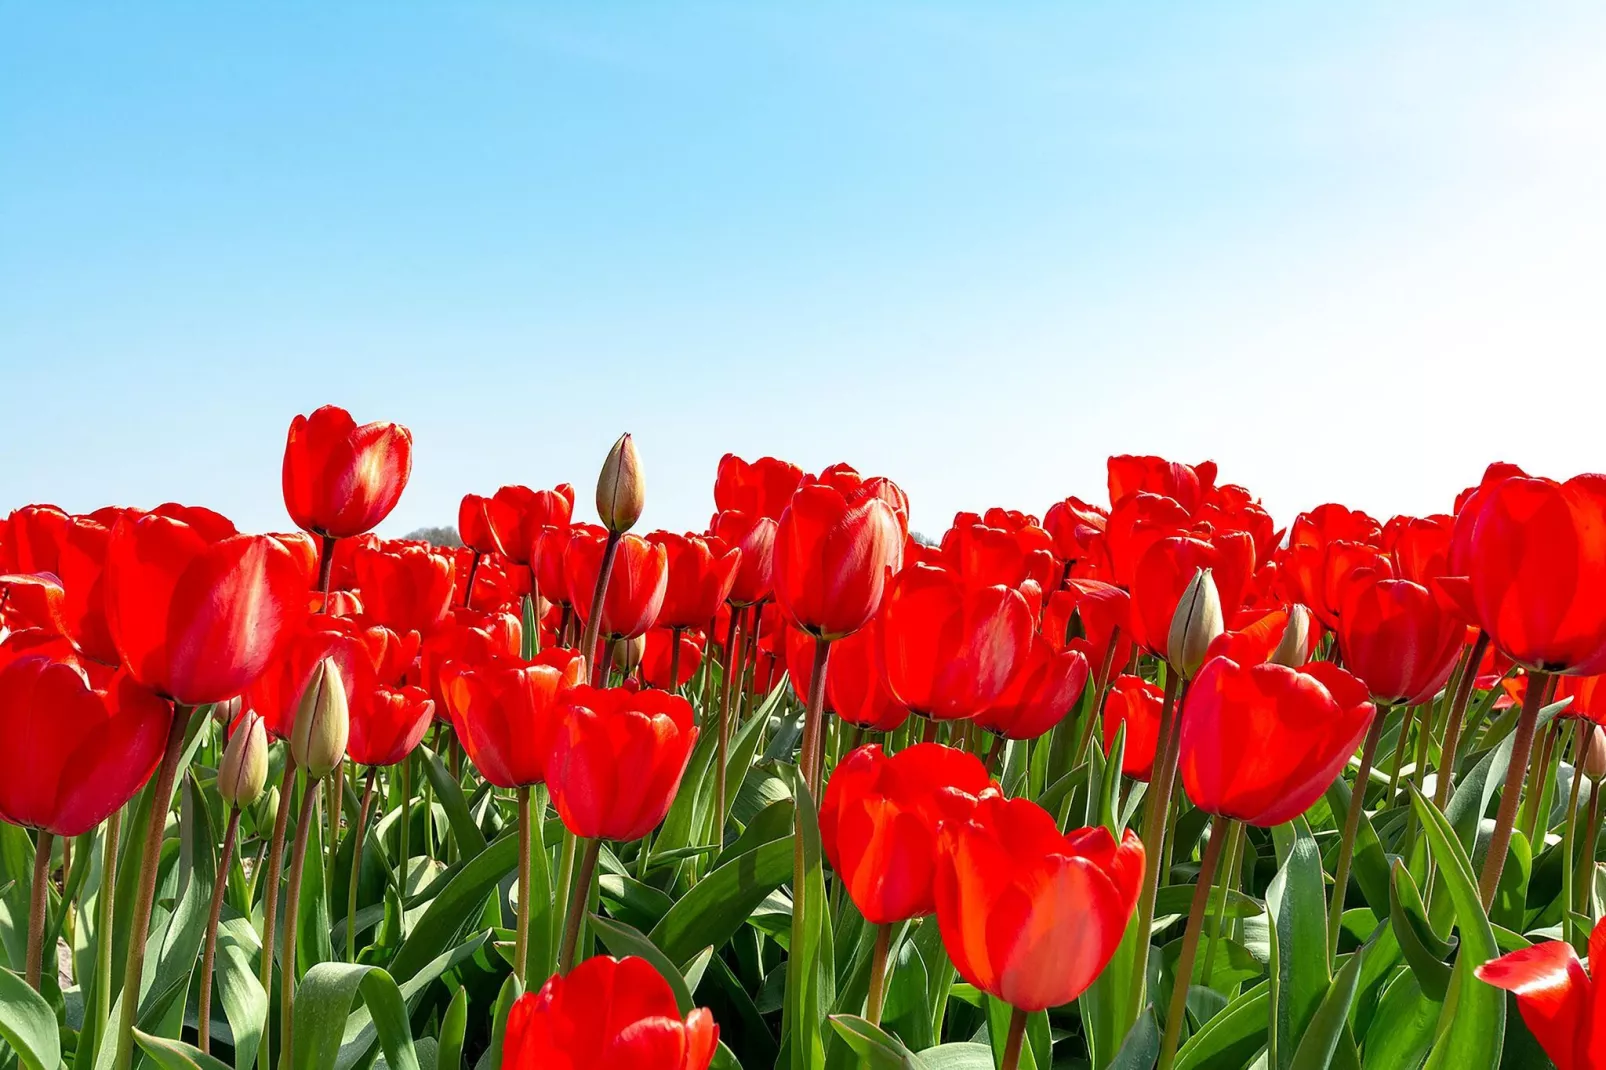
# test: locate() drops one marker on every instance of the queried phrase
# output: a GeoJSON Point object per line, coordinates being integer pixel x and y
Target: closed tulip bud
{"type": "Point", "coordinates": [627, 654]}
{"type": "Point", "coordinates": [621, 491]}
{"type": "Point", "coordinates": [226, 713]}
{"type": "Point", "coordinates": [1595, 753]}
{"type": "Point", "coordinates": [1195, 624]}
{"type": "Point", "coordinates": [323, 722]}
{"type": "Point", "coordinates": [1295, 644]}
{"type": "Point", "coordinates": [244, 769]}
{"type": "Point", "coordinates": [267, 806]}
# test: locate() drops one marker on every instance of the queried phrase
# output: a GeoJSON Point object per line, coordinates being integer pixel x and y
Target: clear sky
{"type": "Point", "coordinates": [1350, 251]}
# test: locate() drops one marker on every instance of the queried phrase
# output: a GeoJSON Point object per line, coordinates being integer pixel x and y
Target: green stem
{"type": "Point", "coordinates": [521, 944]}
{"type": "Point", "coordinates": [1156, 814]}
{"type": "Point", "coordinates": [1584, 877]}
{"type": "Point", "coordinates": [1012, 1042]}
{"type": "Point", "coordinates": [1399, 751]}
{"type": "Point", "coordinates": [145, 896]}
{"type": "Point", "coordinates": [359, 834]}
{"type": "Point", "coordinates": [1539, 782]}
{"type": "Point", "coordinates": [813, 755]}
{"type": "Point", "coordinates": [1352, 825]}
{"type": "Point", "coordinates": [878, 974]}
{"type": "Point", "coordinates": [1569, 836]}
{"type": "Point", "coordinates": [406, 830]}
{"type": "Point", "coordinates": [1455, 718]}
{"type": "Point", "coordinates": [103, 924]}
{"type": "Point", "coordinates": [1096, 711]}
{"type": "Point", "coordinates": [292, 908]}
{"type": "Point", "coordinates": [270, 889]}
{"type": "Point", "coordinates": [203, 1019]}
{"type": "Point", "coordinates": [1190, 943]}
{"type": "Point", "coordinates": [1229, 872]}
{"type": "Point", "coordinates": [37, 904]}
{"type": "Point", "coordinates": [588, 645]}
{"type": "Point", "coordinates": [578, 896]}
{"type": "Point", "coordinates": [1522, 744]}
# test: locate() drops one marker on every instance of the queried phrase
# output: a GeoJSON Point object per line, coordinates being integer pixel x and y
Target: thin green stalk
{"type": "Point", "coordinates": [203, 1019]}
{"type": "Point", "coordinates": [1399, 752]}
{"type": "Point", "coordinates": [588, 644]}
{"type": "Point", "coordinates": [521, 944]}
{"type": "Point", "coordinates": [1522, 744]}
{"type": "Point", "coordinates": [1569, 835]}
{"type": "Point", "coordinates": [878, 974]}
{"type": "Point", "coordinates": [1584, 875]}
{"type": "Point", "coordinates": [38, 902]}
{"type": "Point", "coordinates": [1539, 783]}
{"type": "Point", "coordinates": [579, 895]}
{"type": "Point", "coordinates": [1352, 825]}
{"type": "Point", "coordinates": [406, 829]}
{"type": "Point", "coordinates": [1156, 814]}
{"type": "Point", "coordinates": [1190, 942]}
{"type": "Point", "coordinates": [1229, 874]}
{"type": "Point", "coordinates": [270, 890]}
{"type": "Point", "coordinates": [1012, 1042]}
{"type": "Point", "coordinates": [813, 745]}
{"type": "Point", "coordinates": [103, 923]}
{"type": "Point", "coordinates": [359, 833]}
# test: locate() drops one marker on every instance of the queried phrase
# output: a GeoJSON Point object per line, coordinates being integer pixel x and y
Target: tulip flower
{"type": "Point", "coordinates": [1419, 546]}
{"type": "Point", "coordinates": [855, 688]}
{"type": "Point", "coordinates": [507, 711]}
{"type": "Point", "coordinates": [833, 555]}
{"type": "Point", "coordinates": [1283, 636]}
{"type": "Point", "coordinates": [1320, 576]}
{"type": "Point", "coordinates": [1188, 484]}
{"type": "Point", "coordinates": [517, 514]}
{"type": "Point", "coordinates": [701, 574]}
{"type": "Point", "coordinates": [1134, 702]}
{"type": "Point", "coordinates": [990, 555]}
{"type": "Point", "coordinates": [950, 648]}
{"type": "Point", "coordinates": [636, 587]}
{"type": "Point", "coordinates": [1077, 529]}
{"type": "Point", "coordinates": [340, 479]}
{"type": "Point", "coordinates": [197, 612]}
{"type": "Point", "coordinates": [1557, 997]}
{"type": "Point", "coordinates": [1028, 915]}
{"type": "Point", "coordinates": [407, 588]}
{"type": "Point", "coordinates": [1093, 610]}
{"type": "Point", "coordinates": [614, 769]}
{"type": "Point", "coordinates": [607, 1013]}
{"type": "Point", "coordinates": [754, 538]}
{"type": "Point", "coordinates": [671, 657]}
{"type": "Point", "coordinates": [1044, 690]}
{"type": "Point", "coordinates": [1399, 639]}
{"type": "Point", "coordinates": [1166, 571]}
{"type": "Point", "coordinates": [761, 488]}
{"type": "Point", "coordinates": [878, 826]}
{"type": "Point", "coordinates": [1305, 724]}
{"type": "Point", "coordinates": [73, 548]}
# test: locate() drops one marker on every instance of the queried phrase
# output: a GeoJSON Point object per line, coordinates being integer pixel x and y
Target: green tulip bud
{"type": "Point", "coordinates": [244, 768]}
{"type": "Point", "coordinates": [621, 491]}
{"type": "Point", "coordinates": [323, 721]}
{"type": "Point", "coordinates": [1295, 642]}
{"type": "Point", "coordinates": [1194, 625]}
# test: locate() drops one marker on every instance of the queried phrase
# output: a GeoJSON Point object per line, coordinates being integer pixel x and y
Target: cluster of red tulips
{"type": "Point", "coordinates": [971, 687]}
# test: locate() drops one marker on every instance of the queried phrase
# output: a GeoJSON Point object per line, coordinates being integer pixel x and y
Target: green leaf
{"type": "Point", "coordinates": [1230, 1039]}
{"type": "Point", "coordinates": [810, 971]}
{"type": "Point", "coordinates": [491, 1059]}
{"type": "Point", "coordinates": [245, 1004]}
{"type": "Point", "coordinates": [963, 1056]}
{"type": "Point", "coordinates": [1174, 901]}
{"type": "Point", "coordinates": [1424, 951]}
{"type": "Point", "coordinates": [323, 1003]}
{"type": "Point", "coordinates": [622, 940]}
{"type": "Point", "coordinates": [1472, 1025]}
{"type": "Point", "coordinates": [1142, 1045]}
{"type": "Point", "coordinates": [743, 747]}
{"type": "Point", "coordinates": [453, 1025]}
{"type": "Point", "coordinates": [28, 1024]}
{"type": "Point", "coordinates": [1297, 904]}
{"type": "Point", "coordinates": [449, 793]}
{"type": "Point", "coordinates": [1402, 1028]}
{"type": "Point", "coordinates": [1321, 1039]}
{"type": "Point", "coordinates": [1368, 864]}
{"type": "Point", "coordinates": [176, 1055]}
{"type": "Point", "coordinates": [361, 1027]}
{"type": "Point", "coordinates": [718, 905]}
{"type": "Point", "coordinates": [877, 1049]}
{"type": "Point", "coordinates": [455, 906]}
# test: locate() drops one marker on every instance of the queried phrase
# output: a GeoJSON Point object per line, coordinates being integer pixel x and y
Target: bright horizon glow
{"type": "Point", "coordinates": [1350, 254]}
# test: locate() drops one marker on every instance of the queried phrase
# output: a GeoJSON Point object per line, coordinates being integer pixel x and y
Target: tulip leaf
{"type": "Point", "coordinates": [365, 1023]}
{"type": "Point", "coordinates": [961, 1056]}
{"type": "Point", "coordinates": [1142, 1045]}
{"type": "Point", "coordinates": [176, 1055]}
{"type": "Point", "coordinates": [1401, 1029]}
{"type": "Point", "coordinates": [27, 1023]}
{"type": "Point", "coordinates": [1174, 900]}
{"type": "Point", "coordinates": [457, 902]}
{"type": "Point", "coordinates": [449, 793]}
{"type": "Point", "coordinates": [454, 1024]}
{"type": "Point", "coordinates": [1232, 1036]}
{"type": "Point", "coordinates": [491, 1058]}
{"type": "Point", "coordinates": [1472, 1024]}
{"type": "Point", "coordinates": [323, 1005]}
{"type": "Point", "coordinates": [719, 904]}
{"type": "Point", "coordinates": [743, 747]}
{"type": "Point", "coordinates": [245, 1004]}
{"type": "Point", "coordinates": [1425, 952]}
{"type": "Point", "coordinates": [621, 940]}
{"type": "Point", "coordinates": [1368, 865]}
{"type": "Point", "coordinates": [1297, 904]}
{"type": "Point", "coordinates": [810, 970]}
{"type": "Point", "coordinates": [1327, 1028]}
{"type": "Point", "coordinates": [877, 1050]}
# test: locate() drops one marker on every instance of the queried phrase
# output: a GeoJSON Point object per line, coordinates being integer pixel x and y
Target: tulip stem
{"type": "Point", "coordinates": [674, 659]}
{"type": "Point", "coordinates": [145, 895]}
{"type": "Point", "coordinates": [1234, 854]}
{"type": "Point", "coordinates": [1522, 744]}
{"type": "Point", "coordinates": [292, 905]}
{"type": "Point", "coordinates": [578, 895]}
{"type": "Point", "coordinates": [813, 756]}
{"type": "Point", "coordinates": [1190, 942]}
{"type": "Point", "coordinates": [878, 974]}
{"type": "Point", "coordinates": [358, 835]}
{"type": "Point", "coordinates": [1096, 713]}
{"type": "Point", "coordinates": [1012, 1042]}
{"type": "Point", "coordinates": [103, 925]}
{"type": "Point", "coordinates": [334, 796]}
{"type": "Point", "coordinates": [36, 907]}
{"type": "Point", "coordinates": [1156, 814]}
{"type": "Point", "coordinates": [994, 753]}
{"type": "Point", "coordinates": [1583, 878]}
{"type": "Point", "coordinates": [406, 832]}
{"type": "Point", "coordinates": [326, 571]}
{"type": "Point", "coordinates": [1539, 778]}
{"type": "Point", "coordinates": [1352, 825]}
{"type": "Point", "coordinates": [1454, 719]}
{"type": "Point", "coordinates": [1399, 751]}
{"type": "Point", "coordinates": [1569, 836]}
{"type": "Point", "coordinates": [521, 943]}
{"type": "Point", "coordinates": [203, 1020]}
{"type": "Point", "coordinates": [468, 587]}
{"type": "Point", "coordinates": [270, 887]}
{"type": "Point", "coordinates": [588, 645]}
{"type": "Point", "coordinates": [732, 632]}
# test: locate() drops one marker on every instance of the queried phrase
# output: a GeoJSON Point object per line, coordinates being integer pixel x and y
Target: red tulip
{"type": "Point", "coordinates": [73, 548]}
{"type": "Point", "coordinates": [855, 688]}
{"type": "Point", "coordinates": [618, 760]}
{"type": "Point", "coordinates": [494, 587]}
{"type": "Point", "coordinates": [1334, 523]}
{"type": "Point", "coordinates": [990, 554]}
{"type": "Point", "coordinates": [1320, 577]}
{"type": "Point", "coordinates": [1188, 485]}
{"type": "Point", "coordinates": [1093, 610]}
{"type": "Point", "coordinates": [636, 587]}
{"type": "Point", "coordinates": [198, 612]}
{"type": "Point", "coordinates": [1261, 743]}
{"type": "Point", "coordinates": [834, 553]}
{"type": "Point", "coordinates": [1536, 577]}
{"type": "Point", "coordinates": [508, 522]}
{"type": "Point", "coordinates": [548, 557]}
{"type": "Point", "coordinates": [761, 488]}
{"type": "Point", "coordinates": [70, 753]}
{"type": "Point", "coordinates": [508, 711]}
{"type": "Point", "coordinates": [1045, 688]}
{"type": "Point", "coordinates": [949, 648]}
{"type": "Point", "coordinates": [1262, 636]}
{"type": "Point", "coordinates": [389, 725]}
{"type": "Point", "coordinates": [1139, 521]}
{"type": "Point", "coordinates": [656, 658]}
{"type": "Point", "coordinates": [879, 821]}
{"type": "Point", "coordinates": [1028, 915]}
{"type": "Point", "coordinates": [341, 479]}
{"type": "Point", "coordinates": [1138, 704]}
{"type": "Point", "coordinates": [1399, 639]}
{"type": "Point", "coordinates": [408, 588]}
{"type": "Point", "coordinates": [1557, 998]}
{"type": "Point", "coordinates": [474, 525]}
{"type": "Point", "coordinates": [1166, 569]}
{"type": "Point", "coordinates": [754, 538]}
{"type": "Point", "coordinates": [607, 1013]}
{"type": "Point", "coordinates": [701, 574]}
{"type": "Point", "coordinates": [471, 637]}
{"type": "Point", "coordinates": [1077, 529]}
{"type": "Point", "coordinates": [1419, 547]}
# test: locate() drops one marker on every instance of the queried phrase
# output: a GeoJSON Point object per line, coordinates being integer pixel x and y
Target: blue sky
{"type": "Point", "coordinates": [1349, 251]}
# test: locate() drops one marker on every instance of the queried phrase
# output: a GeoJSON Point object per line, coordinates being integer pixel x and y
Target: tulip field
{"type": "Point", "coordinates": [1150, 779]}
